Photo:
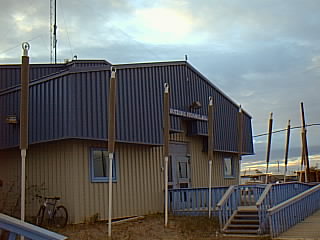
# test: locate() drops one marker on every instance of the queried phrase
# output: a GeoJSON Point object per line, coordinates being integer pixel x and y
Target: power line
{"type": "Point", "coordinates": [11, 48]}
{"type": "Point", "coordinates": [285, 129]}
{"type": "Point", "coordinates": [64, 21]}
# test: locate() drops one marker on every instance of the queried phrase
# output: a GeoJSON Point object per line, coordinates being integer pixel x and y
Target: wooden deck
{"type": "Point", "coordinates": [308, 229]}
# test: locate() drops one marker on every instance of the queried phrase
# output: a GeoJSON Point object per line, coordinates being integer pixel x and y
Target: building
{"type": "Point", "coordinates": [68, 132]}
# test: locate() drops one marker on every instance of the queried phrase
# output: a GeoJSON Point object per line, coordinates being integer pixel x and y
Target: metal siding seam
{"type": "Point", "coordinates": [99, 105]}
{"type": "Point", "coordinates": [95, 113]}
{"type": "Point", "coordinates": [105, 83]}
{"type": "Point", "coordinates": [89, 104]}
{"type": "Point", "coordinates": [45, 112]}
{"type": "Point", "coordinates": [128, 103]}
{"type": "Point", "coordinates": [131, 102]}
{"type": "Point", "coordinates": [158, 98]}
{"type": "Point", "coordinates": [138, 179]}
{"type": "Point", "coordinates": [134, 184]}
{"type": "Point", "coordinates": [84, 126]}
{"type": "Point", "coordinates": [119, 107]}
{"type": "Point", "coordinates": [29, 117]}
{"type": "Point", "coordinates": [158, 104]}
{"type": "Point", "coordinates": [140, 107]}
{"type": "Point", "coordinates": [148, 106]}
{"type": "Point", "coordinates": [55, 109]}
{"type": "Point", "coordinates": [137, 128]}
{"type": "Point", "coordinates": [123, 106]}
{"type": "Point", "coordinates": [126, 178]}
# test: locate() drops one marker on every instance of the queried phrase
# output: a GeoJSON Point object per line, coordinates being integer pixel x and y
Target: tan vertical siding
{"type": "Point", "coordinates": [62, 168]}
{"type": "Point", "coordinates": [10, 177]}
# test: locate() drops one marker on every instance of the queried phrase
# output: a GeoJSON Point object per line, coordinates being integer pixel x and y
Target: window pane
{"type": "Point", "coordinates": [227, 166]}
{"type": "Point", "coordinates": [100, 166]}
{"type": "Point", "coordinates": [183, 170]}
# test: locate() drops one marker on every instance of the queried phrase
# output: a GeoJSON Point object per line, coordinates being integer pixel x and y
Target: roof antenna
{"type": "Point", "coordinates": [53, 31]}
{"type": "Point", "coordinates": [186, 57]}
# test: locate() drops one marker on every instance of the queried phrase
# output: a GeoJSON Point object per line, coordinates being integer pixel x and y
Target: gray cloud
{"type": "Point", "coordinates": [263, 54]}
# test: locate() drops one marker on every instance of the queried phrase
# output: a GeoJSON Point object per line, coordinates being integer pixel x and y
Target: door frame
{"type": "Point", "coordinates": [179, 150]}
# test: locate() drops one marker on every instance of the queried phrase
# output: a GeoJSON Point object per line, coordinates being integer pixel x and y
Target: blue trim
{"type": "Point", "coordinates": [102, 179]}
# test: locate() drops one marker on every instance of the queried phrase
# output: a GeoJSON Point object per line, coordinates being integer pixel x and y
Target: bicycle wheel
{"type": "Point", "coordinates": [40, 216]}
{"type": "Point", "coordinates": [60, 217]}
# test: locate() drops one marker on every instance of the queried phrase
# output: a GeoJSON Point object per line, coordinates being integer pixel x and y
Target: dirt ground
{"type": "Point", "coordinates": [149, 228]}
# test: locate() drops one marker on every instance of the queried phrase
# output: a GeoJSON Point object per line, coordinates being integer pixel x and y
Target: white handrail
{"type": "Point", "coordinates": [263, 195]}
{"type": "Point", "coordinates": [225, 196]}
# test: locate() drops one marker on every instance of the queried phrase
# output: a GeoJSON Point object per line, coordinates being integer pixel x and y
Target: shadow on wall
{"type": "Point", "coordinates": [10, 197]}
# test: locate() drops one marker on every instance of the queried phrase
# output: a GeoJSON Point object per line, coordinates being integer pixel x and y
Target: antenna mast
{"type": "Point", "coordinates": [53, 31]}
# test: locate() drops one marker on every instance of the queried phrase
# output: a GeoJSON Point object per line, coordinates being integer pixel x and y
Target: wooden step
{"type": "Point", "coordinates": [247, 216]}
{"type": "Point", "coordinates": [243, 226]}
{"type": "Point", "coordinates": [246, 236]}
{"type": "Point", "coordinates": [240, 231]}
{"type": "Point", "coordinates": [248, 208]}
{"type": "Point", "coordinates": [244, 221]}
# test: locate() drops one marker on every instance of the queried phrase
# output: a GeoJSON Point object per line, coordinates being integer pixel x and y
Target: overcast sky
{"type": "Point", "coordinates": [263, 54]}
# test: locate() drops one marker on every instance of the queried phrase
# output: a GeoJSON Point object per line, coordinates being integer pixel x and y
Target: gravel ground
{"type": "Point", "coordinates": [150, 227]}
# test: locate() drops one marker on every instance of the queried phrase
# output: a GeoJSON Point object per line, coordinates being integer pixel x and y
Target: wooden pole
{"type": "Point", "coordinates": [210, 148]}
{"type": "Point", "coordinates": [305, 144]}
{"type": "Point", "coordinates": [166, 128]}
{"type": "Point", "coordinates": [286, 151]}
{"type": "Point", "coordinates": [269, 145]}
{"type": "Point", "coordinates": [240, 141]}
{"type": "Point", "coordinates": [111, 137]}
{"type": "Point", "coordinates": [24, 103]}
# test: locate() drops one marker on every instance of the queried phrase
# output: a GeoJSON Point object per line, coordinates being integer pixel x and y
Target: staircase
{"type": "Point", "coordinates": [243, 223]}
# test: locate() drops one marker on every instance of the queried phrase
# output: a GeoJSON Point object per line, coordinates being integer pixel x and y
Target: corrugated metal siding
{"type": "Point", "coordinates": [74, 105]}
{"type": "Point", "coordinates": [63, 168]}
{"type": "Point", "coordinates": [10, 172]}
{"type": "Point", "coordinates": [10, 74]}
{"type": "Point", "coordinates": [9, 133]}
{"type": "Point", "coordinates": [247, 136]}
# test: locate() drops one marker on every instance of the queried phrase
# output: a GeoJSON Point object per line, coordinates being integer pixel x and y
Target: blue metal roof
{"type": "Point", "coordinates": [70, 101]}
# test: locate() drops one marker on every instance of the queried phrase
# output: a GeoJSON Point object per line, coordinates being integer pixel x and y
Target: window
{"type": "Point", "coordinates": [99, 165]}
{"type": "Point", "coordinates": [228, 167]}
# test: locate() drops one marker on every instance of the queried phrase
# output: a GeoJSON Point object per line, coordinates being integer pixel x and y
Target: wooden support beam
{"type": "Point", "coordinates": [304, 144]}
{"type": "Point", "coordinates": [286, 151]}
{"type": "Point", "coordinates": [111, 137]}
{"type": "Point", "coordinates": [269, 145]}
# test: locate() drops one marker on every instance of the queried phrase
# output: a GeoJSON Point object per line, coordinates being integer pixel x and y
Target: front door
{"type": "Point", "coordinates": [179, 166]}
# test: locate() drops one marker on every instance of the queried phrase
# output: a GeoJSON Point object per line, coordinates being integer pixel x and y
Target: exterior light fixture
{"type": "Point", "coordinates": [11, 119]}
{"type": "Point", "coordinates": [195, 105]}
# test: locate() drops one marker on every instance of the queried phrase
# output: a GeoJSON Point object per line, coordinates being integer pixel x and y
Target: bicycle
{"type": "Point", "coordinates": [56, 215]}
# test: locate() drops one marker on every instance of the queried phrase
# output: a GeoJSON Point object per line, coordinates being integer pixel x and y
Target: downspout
{"type": "Point", "coordinates": [166, 127]}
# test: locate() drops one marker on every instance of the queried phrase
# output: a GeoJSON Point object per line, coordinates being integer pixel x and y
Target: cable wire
{"type": "Point", "coordinates": [285, 129]}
